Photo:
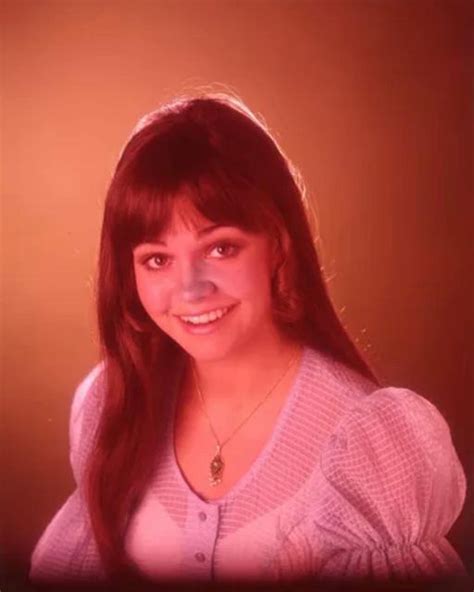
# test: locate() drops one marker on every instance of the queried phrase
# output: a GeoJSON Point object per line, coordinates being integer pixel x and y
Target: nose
{"type": "Point", "coordinates": [194, 285]}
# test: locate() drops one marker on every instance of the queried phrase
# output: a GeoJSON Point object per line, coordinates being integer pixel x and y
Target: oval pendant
{"type": "Point", "coordinates": [217, 469]}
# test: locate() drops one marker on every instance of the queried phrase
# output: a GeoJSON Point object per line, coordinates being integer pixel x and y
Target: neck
{"type": "Point", "coordinates": [245, 375]}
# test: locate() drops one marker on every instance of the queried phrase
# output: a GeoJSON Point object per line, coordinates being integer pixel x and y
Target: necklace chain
{"type": "Point", "coordinates": [217, 463]}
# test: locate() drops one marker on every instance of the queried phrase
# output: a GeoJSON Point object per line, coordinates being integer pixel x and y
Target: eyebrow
{"type": "Point", "coordinates": [200, 233]}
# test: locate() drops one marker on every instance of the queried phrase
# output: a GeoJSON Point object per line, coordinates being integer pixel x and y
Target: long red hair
{"type": "Point", "coordinates": [234, 173]}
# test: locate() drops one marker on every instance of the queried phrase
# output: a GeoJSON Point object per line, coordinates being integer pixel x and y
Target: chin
{"type": "Point", "coordinates": [207, 352]}
{"type": "Point", "coordinates": [208, 348]}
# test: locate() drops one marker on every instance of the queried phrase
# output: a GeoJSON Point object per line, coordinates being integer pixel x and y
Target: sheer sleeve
{"type": "Point", "coordinates": [66, 551]}
{"type": "Point", "coordinates": [394, 486]}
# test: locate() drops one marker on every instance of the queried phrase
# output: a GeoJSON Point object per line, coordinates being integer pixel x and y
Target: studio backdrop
{"type": "Point", "coordinates": [371, 101]}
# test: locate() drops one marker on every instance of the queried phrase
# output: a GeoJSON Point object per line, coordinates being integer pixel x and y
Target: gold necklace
{"type": "Point", "coordinates": [216, 466]}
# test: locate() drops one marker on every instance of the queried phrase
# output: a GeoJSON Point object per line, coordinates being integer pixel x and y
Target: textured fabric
{"type": "Point", "coordinates": [355, 482]}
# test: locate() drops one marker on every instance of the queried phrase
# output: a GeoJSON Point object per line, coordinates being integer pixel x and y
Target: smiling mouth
{"type": "Point", "coordinates": [206, 318]}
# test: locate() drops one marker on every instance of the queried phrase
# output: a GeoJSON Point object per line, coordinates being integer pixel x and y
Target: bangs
{"type": "Point", "coordinates": [147, 208]}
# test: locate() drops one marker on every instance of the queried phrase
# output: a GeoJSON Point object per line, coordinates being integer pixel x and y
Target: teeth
{"type": "Point", "coordinates": [206, 318]}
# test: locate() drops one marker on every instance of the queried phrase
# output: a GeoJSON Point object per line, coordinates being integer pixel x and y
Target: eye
{"type": "Point", "coordinates": [225, 249]}
{"type": "Point", "coordinates": [155, 262]}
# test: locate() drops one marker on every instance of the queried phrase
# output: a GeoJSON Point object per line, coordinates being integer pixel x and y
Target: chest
{"type": "Point", "coordinates": [220, 542]}
{"type": "Point", "coordinates": [195, 445]}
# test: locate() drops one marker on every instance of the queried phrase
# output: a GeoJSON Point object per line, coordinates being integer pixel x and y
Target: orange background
{"type": "Point", "coordinates": [370, 99]}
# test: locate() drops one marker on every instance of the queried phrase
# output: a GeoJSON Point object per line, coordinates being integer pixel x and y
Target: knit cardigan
{"type": "Point", "coordinates": [355, 482]}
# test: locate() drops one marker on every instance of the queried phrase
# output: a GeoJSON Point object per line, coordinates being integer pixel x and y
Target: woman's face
{"type": "Point", "coordinates": [195, 269]}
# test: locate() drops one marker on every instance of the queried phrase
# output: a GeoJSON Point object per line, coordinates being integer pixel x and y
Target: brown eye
{"type": "Point", "coordinates": [156, 261]}
{"type": "Point", "coordinates": [225, 249]}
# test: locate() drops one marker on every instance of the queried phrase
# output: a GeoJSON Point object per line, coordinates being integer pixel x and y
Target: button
{"type": "Point", "coordinates": [202, 516]}
{"type": "Point", "coordinates": [200, 557]}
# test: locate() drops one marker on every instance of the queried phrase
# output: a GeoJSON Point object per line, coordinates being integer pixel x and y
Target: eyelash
{"type": "Point", "coordinates": [234, 251]}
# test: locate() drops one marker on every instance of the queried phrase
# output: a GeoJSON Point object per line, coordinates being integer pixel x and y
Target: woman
{"type": "Point", "coordinates": [232, 430]}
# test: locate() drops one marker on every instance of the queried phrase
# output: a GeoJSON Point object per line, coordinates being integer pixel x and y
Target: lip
{"type": "Point", "coordinates": [207, 328]}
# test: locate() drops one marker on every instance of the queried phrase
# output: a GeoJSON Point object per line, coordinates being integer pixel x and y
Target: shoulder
{"type": "Point", "coordinates": [392, 455]}
{"type": "Point", "coordinates": [389, 488]}
{"type": "Point", "coordinates": [328, 390]}
{"type": "Point", "coordinates": [393, 415]}
{"type": "Point", "coordinates": [82, 389]}
{"type": "Point", "coordinates": [85, 409]}
{"type": "Point", "coordinates": [321, 371]}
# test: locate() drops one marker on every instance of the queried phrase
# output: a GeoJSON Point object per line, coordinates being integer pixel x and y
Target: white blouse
{"type": "Point", "coordinates": [355, 482]}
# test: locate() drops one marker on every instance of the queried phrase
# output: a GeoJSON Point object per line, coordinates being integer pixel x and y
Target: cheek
{"type": "Point", "coordinates": [154, 296]}
{"type": "Point", "coordinates": [248, 280]}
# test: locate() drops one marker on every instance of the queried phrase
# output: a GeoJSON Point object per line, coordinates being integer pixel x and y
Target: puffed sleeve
{"type": "Point", "coordinates": [66, 551]}
{"type": "Point", "coordinates": [393, 488]}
